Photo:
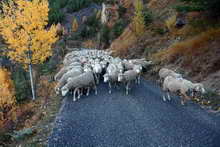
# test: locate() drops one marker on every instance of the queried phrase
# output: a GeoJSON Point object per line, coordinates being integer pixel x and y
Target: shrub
{"type": "Point", "coordinates": [122, 10]}
{"type": "Point", "coordinates": [55, 13]}
{"type": "Point", "coordinates": [91, 27]}
{"type": "Point", "coordinates": [104, 34]}
{"type": "Point", "coordinates": [138, 22]}
{"type": "Point", "coordinates": [22, 85]}
{"type": "Point", "coordinates": [212, 6]}
{"type": "Point", "coordinates": [7, 94]}
{"type": "Point", "coordinates": [189, 47]}
{"type": "Point", "coordinates": [170, 22]}
{"type": "Point", "coordinates": [76, 5]}
{"type": "Point", "coordinates": [89, 44]}
{"type": "Point", "coordinates": [148, 16]}
{"type": "Point", "coordinates": [118, 28]}
{"type": "Point", "coordinates": [75, 25]}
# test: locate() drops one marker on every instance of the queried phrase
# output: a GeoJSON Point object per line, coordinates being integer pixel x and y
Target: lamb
{"type": "Point", "coordinates": [85, 80]}
{"type": "Point", "coordinates": [63, 80]}
{"type": "Point", "coordinates": [127, 77]}
{"type": "Point", "coordinates": [183, 86]}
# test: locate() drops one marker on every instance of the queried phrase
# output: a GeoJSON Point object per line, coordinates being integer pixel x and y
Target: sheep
{"type": "Point", "coordinates": [164, 72]}
{"type": "Point", "coordinates": [63, 80]}
{"type": "Point", "coordinates": [138, 69]}
{"type": "Point", "coordinates": [127, 77]}
{"type": "Point", "coordinates": [85, 80]}
{"type": "Point", "coordinates": [65, 69]}
{"type": "Point", "coordinates": [111, 75]}
{"type": "Point", "coordinates": [97, 69]}
{"type": "Point", "coordinates": [172, 84]}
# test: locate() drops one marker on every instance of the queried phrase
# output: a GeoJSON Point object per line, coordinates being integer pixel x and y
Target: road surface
{"type": "Point", "coordinates": [141, 119]}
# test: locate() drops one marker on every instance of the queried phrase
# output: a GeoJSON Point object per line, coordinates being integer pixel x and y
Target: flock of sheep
{"type": "Point", "coordinates": [82, 71]}
{"type": "Point", "coordinates": [175, 83]}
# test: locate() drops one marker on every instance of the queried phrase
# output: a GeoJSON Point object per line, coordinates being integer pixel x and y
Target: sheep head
{"type": "Point", "coordinates": [198, 87]}
{"type": "Point", "coordinates": [64, 90]}
{"type": "Point", "coordinates": [120, 77]}
{"type": "Point", "coordinates": [138, 68]}
{"type": "Point", "coordinates": [106, 77]}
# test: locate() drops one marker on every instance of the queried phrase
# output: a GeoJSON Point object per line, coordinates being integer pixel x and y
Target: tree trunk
{"type": "Point", "coordinates": [32, 83]}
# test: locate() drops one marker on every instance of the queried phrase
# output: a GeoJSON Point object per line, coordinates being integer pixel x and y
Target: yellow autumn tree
{"type": "Point", "coordinates": [23, 27]}
{"type": "Point", "coordinates": [138, 23]}
{"type": "Point", "coordinates": [7, 91]}
{"type": "Point", "coordinates": [75, 25]}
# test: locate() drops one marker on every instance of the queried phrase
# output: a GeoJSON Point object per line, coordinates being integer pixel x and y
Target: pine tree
{"type": "Point", "coordinates": [138, 23]}
{"type": "Point", "coordinates": [211, 6]}
{"type": "Point", "coordinates": [75, 25]}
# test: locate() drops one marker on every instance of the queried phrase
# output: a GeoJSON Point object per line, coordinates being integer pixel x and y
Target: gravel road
{"type": "Point", "coordinates": [141, 119]}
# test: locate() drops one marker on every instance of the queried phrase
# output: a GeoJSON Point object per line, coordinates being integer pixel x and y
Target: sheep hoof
{"type": "Point", "coordinates": [164, 99]}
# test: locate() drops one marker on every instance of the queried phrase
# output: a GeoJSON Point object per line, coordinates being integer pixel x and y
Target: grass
{"type": "Point", "coordinates": [187, 48]}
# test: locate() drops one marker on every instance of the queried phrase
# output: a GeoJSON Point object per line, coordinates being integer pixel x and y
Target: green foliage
{"type": "Point", "coordinates": [212, 6]}
{"type": "Point", "coordinates": [22, 84]}
{"type": "Point", "coordinates": [122, 10]}
{"type": "Point", "coordinates": [148, 17]}
{"type": "Point", "coordinates": [55, 13]}
{"type": "Point", "coordinates": [48, 67]}
{"type": "Point", "coordinates": [20, 135]}
{"type": "Point", "coordinates": [76, 5]}
{"type": "Point", "coordinates": [160, 31]}
{"type": "Point", "coordinates": [104, 34]}
{"type": "Point", "coordinates": [118, 28]}
{"type": "Point", "coordinates": [91, 27]}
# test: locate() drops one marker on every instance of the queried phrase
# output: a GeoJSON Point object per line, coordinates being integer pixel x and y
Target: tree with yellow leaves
{"type": "Point", "coordinates": [23, 27]}
{"type": "Point", "coordinates": [75, 25]}
{"type": "Point", "coordinates": [7, 94]}
{"type": "Point", "coordinates": [138, 23]}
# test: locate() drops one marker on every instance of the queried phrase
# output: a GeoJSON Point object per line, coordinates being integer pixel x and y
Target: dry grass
{"type": "Point", "coordinates": [121, 45]}
{"type": "Point", "coordinates": [188, 48]}
{"type": "Point", "coordinates": [170, 22]}
{"type": "Point", "coordinates": [90, 44]}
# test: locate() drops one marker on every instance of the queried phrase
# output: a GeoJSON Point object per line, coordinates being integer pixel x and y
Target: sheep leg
{"type": "Point", "coordinates": [139, 79]}
{"type": "Point", "coordinates": [88, 89]}
{"type": "Point", "coordinates": [79, 93]}
{"type": "Point", "coordinates": [74, 94]}
{"type": "Point", "coordinates": [168, 96]}
{"type": "Point", "coordinates": [164, 98]}
{"type": "Point", "coordinates": [110, 88]}
{"type": "Point", "coordinates": [95, 87]}
{"type": "Point", "coordinates": [127, 88]}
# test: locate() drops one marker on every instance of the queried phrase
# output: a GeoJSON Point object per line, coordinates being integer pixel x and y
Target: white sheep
{"type": "Point", "coordinates": [127, 77]}
{"type": "Point", "coordinates": [164, 72]}
{"type": "Point", "coordinates": [65, 69]}
{"type": "Point", "coordinates": [97, 69]}
{"type": "Point", "coordinates": [138, 69]}
{"type": "Point", "coordinates": [85, 80]}
{"type": "Point", "coordinates": [111, 76]}
{"type": "Point", "coordinates": [183, 86]}
{"type": "Point", "coordinates": [63, 80]}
